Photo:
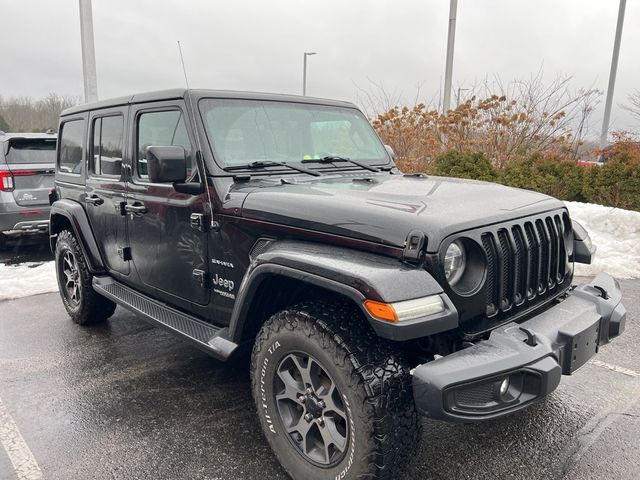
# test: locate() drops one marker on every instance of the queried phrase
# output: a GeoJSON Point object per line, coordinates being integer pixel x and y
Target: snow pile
{"type": "Point", "coordinates": [616, 233]}
{"type": "Point", "coordinates": [29, 278]}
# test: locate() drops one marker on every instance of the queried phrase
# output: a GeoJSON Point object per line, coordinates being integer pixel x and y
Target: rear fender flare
{"type": "Point", "coordinates": [77, 217]}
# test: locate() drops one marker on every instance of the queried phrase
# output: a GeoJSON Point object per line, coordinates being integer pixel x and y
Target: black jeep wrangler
{"type": "Point", "coordinates": [280, 226]}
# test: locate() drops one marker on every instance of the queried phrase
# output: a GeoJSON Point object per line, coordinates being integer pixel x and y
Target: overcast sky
{"type": "Point", "coordinates": [258, 45]}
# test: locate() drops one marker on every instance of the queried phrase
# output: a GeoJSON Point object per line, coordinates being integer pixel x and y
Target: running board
{"type": "Point", "coordinates": [203, 335]}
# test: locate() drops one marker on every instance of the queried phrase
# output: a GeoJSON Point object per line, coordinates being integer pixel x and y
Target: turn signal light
{"type": "Point", "coordinates": [382, 311]}
{"type": "Point", "coordinates": [407, 310]}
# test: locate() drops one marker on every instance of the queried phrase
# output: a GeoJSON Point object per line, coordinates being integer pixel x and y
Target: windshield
{"type": "Point", "coordinates": [245, 131]}
{"type": "Point", "coordinates": [31, 151]}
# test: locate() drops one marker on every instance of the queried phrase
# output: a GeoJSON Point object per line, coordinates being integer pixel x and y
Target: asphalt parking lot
{"type": "Point", "coordinates": [125, 400]}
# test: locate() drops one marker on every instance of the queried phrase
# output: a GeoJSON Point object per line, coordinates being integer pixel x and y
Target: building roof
{"type": "Point", "coordinates": [196, 94]}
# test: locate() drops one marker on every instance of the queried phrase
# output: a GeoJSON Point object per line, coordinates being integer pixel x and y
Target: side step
{"type": "Point", "coordinates": [202, 334]}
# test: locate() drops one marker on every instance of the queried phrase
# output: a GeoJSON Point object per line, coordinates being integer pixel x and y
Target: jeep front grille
{"type": "Point", "coordinates": [526, 262]}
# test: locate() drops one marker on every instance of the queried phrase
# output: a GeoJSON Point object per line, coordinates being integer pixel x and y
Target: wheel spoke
{"type": "Point", "coordinates": [305, 374]}
{"type": "Point", "coordinates": [329, 398]}
{"type": "Point", "coordinates": [331, 435]}
{"type": "Point", "coordinates": [290, 383]}
{"type": "Point", "coordinates": [290, 393]}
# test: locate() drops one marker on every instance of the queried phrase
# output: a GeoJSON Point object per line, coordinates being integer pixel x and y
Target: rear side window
{"type": "Point", "coordinates": [71, 147]}
{"type": "Point", "coordinates": [107, 146]}
{"type": "Point", "coordinates": [23, 151]}
{"type": "Point", "coordinates": [162, 129]}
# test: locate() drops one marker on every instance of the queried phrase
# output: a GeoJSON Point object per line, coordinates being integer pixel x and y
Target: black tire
{"type": "Point", "coordinates": [377, 423]}
{"type": "Point", "coordinates": [3, 242]}
{"type": "Point", "coordinates": [83, 304]}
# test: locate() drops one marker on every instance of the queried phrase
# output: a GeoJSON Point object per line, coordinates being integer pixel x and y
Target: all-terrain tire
{"type": "Point", "coordinates": [371, 375]}
{"type": "Point", "coordinates": [85, 306]}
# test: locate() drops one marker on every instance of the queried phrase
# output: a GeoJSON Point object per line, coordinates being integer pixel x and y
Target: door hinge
{"type": "Point", "coordinates": [199, 222]}
{"type": "Point", "coordinates": [124, 253]}
{"type": "Point", "coordinates": [201, 277]}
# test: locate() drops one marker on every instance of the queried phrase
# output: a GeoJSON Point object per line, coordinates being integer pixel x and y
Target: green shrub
{"type": "Point", "coordinates": [615, 184]}
{"type": "Point", "coordinates": [465, 165]}
{"type": "Point", "coordinates": [554, 176]}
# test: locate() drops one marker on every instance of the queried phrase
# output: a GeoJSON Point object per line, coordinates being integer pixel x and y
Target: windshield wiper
{"type": "Point", "coordinates": [335, 158]}
{"type": "Point", "coordinates": [263, 164]}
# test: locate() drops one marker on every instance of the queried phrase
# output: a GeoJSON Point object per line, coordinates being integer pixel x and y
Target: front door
{"type": "Point", "coordinates": [106, 186]}
{"type": "Point", "coordinates": [170, 257]}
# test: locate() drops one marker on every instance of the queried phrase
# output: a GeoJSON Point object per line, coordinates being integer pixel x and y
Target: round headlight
{"type": "Point", "coordinates": [454, 262]}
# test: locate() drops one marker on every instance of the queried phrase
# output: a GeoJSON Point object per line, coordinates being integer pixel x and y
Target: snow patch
{"type": "Point", "coordinates": [25, 279]}
{"type": "Point", "coordinates": [616, 234]}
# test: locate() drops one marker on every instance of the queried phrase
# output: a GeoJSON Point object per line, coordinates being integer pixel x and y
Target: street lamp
{"type": "Point", "coordinates": [304, 72]}
{"type": "Point", "coordinates": [612, 75]}
{"type": "Point", "coordinates": [451, 39]}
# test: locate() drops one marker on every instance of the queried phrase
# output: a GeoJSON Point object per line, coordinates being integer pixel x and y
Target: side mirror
{"type": "Point", "coordinates": [166, 164]}
{"type": "Point", "coordinates": [390, 151]}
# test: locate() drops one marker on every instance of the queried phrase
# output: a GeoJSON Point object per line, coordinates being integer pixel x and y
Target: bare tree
{"type": "Point", "coordinates": [24, 114]}
{"type": "Point", "coordinates": [634, 104]}
{"type": "Point", "coordinates": [495, 118]}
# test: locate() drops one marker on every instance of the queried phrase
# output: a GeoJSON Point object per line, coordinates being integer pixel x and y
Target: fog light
{"type": "Point", "coordinates": [504, 387]}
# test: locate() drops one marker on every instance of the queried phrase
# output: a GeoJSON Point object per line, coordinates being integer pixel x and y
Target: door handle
{"type": "Point", "coordinates": [136, 208]}
{"type": "Point", "coordinates": [94, 200]}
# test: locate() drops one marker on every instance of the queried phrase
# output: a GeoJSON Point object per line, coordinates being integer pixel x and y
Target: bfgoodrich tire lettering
{"type": "Point", "coordinates": [83, 304]}
{"type": "Point", "coordinates": [374, 384]}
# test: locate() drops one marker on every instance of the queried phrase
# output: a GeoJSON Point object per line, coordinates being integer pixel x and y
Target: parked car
{"type": "Point", "coordinates": [27, 162]}
{"type": "Point", "coordinates": [279, 227]}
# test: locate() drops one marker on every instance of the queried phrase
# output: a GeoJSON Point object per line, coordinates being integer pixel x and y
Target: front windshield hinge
{"type": "Point", "coordinates": [241, 178]}
{"type": "Point", "coordinates": [198, 222]}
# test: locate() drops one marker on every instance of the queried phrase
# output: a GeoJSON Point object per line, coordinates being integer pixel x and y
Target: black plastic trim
{"type": "Point", "coordinates": [77, 217]}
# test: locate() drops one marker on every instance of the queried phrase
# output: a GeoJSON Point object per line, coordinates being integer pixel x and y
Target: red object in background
{"type": "Point", "coordinates": [585, 164]}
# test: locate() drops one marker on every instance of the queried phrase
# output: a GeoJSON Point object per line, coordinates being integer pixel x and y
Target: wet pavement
{"type": "Point", "coordinates": [26, 249]}
{"type": "Point", "coordinates": [125, 400]}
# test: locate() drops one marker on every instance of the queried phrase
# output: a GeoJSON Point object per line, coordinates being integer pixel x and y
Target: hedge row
{"type": "Point", "coordinates": [616, 183]}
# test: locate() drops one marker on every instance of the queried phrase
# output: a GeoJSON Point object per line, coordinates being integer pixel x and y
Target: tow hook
{"type": "Point", "coordinates": [601, 292]}
{"type": "Point", "coordinates": [531, 340]}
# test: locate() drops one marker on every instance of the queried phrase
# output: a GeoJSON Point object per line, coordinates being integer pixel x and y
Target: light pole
{"type": "Point", "coordinates": [88, 52]}
{"type": "Point", "coordinates": [451, 39]}
{"type": "Point", "coordinates": [612, 75]}
{"type": "Point", "coordinates": [304, 72]}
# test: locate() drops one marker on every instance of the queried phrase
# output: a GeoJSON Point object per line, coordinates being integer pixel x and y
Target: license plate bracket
{"type": "Point", "coordinates": [581, 340]}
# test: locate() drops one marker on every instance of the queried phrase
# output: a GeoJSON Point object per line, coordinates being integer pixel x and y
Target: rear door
{"type": "Point", "coordinates": [106, 187]}
{"type": "Point", "coordinates": [169, 255]}
{"type": "Point", "coordinates": [31, 162]}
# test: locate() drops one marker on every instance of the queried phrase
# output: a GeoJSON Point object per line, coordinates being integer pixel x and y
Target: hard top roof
{"type": "Point", "coordinates": [196, 94]}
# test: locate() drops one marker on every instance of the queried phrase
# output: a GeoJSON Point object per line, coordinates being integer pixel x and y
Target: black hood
{"type": "Point", "coordinates": [384, 208]}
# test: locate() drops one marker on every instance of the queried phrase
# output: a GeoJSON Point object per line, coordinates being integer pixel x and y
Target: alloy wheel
{"type": "Point", "coordinates": [71, 278]}
{"type": "Point", "coordinates": [311, 409]}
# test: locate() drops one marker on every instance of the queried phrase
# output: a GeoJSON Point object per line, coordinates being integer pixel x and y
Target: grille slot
{"type": "Point", "coordinates": [525, 263]}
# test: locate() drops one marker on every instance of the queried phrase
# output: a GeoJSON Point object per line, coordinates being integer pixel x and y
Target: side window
{"type": "Point", "coordinates": [107, 146]}
{"type": "Point", "coordinates": [71, 147]}
{"type": "Point", "coordinates": [159, 129]}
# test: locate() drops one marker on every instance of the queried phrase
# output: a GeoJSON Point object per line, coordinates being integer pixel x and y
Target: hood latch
{"type": "Point", "coordinates": [414, 246]}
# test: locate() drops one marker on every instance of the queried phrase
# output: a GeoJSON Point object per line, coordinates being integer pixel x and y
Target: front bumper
{"type": "Point", "coordinates": [521, 362]}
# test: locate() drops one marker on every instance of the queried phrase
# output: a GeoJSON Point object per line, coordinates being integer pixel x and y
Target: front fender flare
{"type": "Point", "coordinates": [354, 274]}
{"type": "Point", "coordinates": [74, 213]}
